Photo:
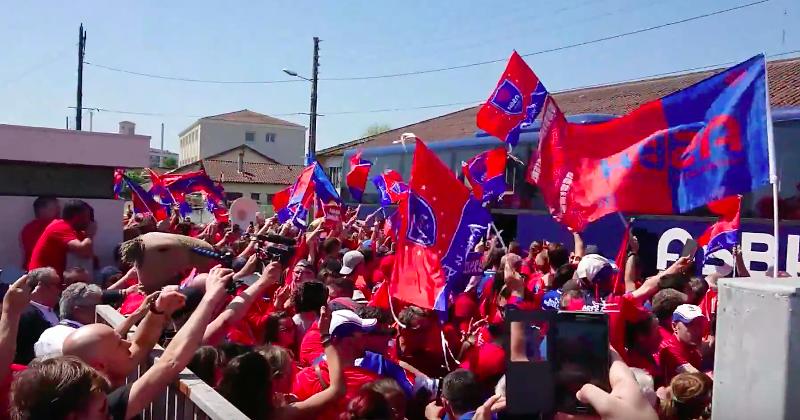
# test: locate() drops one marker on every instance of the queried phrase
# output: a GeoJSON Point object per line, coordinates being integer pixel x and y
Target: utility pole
{"type": "Point", "coordinates": [161, 158]}
{"type": "Point", "coordinates": [312, 129]}
{"type": "Point", "coordinates": [91, 119]}
{"type": "Point", "coordinates": [81, 50]}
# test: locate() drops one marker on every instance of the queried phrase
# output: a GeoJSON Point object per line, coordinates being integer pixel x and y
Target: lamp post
{"type": "Point", "coordinates": [312, 126]}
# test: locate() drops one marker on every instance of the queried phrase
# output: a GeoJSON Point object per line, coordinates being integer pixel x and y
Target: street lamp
{"type": "Point", "coordinates": [312, 129]}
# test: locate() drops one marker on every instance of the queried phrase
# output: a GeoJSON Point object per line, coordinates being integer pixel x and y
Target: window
{"type": "Point", "coordinates": [249, 137]}
{"type": "Point", "coordinates": [255, 196]}
{"type": "Point", "coordinates": [270, 138]}
{"type": "Point", "coordinates": [231, 196]}
{"type": "Point", "coordinates": [269, 198]}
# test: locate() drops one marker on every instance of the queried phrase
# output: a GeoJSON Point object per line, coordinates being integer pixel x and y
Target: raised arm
{"type": "Point", "coordinates": [16, 299]}
{"type": "Point", "coordinates": [580, 248]}
{"type": "Point", "coordinates": [238, 307]}
{"type": "Point", "coordinates": [650, 286]}
{"type": "Point", "coordinates": [181, 349]}
{"type": "Point", "coordinates": [84, 248]}
{"type": "Point", "coordinates": [631, 262]}
{"type": "Point", "coordinates": [137, 315]}
{"type": "Point", "coordinates": [151, 327]}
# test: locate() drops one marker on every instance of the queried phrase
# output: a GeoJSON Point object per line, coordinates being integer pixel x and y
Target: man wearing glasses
{"type": "Point", "coordinates": [39, 314]}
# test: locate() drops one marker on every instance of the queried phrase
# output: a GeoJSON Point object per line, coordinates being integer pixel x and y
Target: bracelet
{"type": "Point", "coordinates": [152, 308]}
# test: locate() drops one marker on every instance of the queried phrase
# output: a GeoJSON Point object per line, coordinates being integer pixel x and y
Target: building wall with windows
{"type": "Point", "coordinates": [156, 157]}
{"type": "Point", "coordinates": [285, 145]}
{"type": "Point", "coordinates": [261, 193]}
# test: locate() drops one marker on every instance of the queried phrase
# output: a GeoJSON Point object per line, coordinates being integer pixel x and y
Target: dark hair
{"type": "Point", "coordinates": [635, 329]}
{"type": "Point", "coordinates": [183, 228]}
{"type": "Point", "coordinates": [493, 260]}
{"type": "Point", "coordinates": [563, 275]}
{"type": "Point", "coordinates": [344, 285]}
{"type": "Point", "coordinates": [373, 312]}
{"type": "Point", "coordinates": [272, 326]}
{"type": "Point", "coordinates": [246, 384]}
{"type": "Point", "coordinates": [55, 388]}
{"type": "Point", "coordinates": [665, 302]}
{"type": "Point", "coordinates": [324, 273]}
{"type": "Point", "coordinates": [229, 350]}
{"type": "Point", "coordinates": [572, 284]}
{"type": "Point", "coordinates": [411, 313]}
{"type": "Point", "coordinates": [514, 248]}
{"type": "Point", "coordinates": [699, 288]}
{"type": "Point", "coordinates": [462, 391]}
{"type": "Point", "coordinates": [74, 208]}
{"type": "Point", "coordinates": [41, 202]}
{"type": "Point", "coordinates": [390, 390]}
{"type": "Point", "coordinates": [367, 405]}
{"type": "Point", "coordinates": [673, 281]}
{"type": "Point", "coordinates": [204, 364]}
{"type": "Point", "coordinates": [329, 245]}
{"type": "Point", "coordinates": [557, 254]}
{"type": "Point", "coordinates": [332, 263]}
{"type": "Point", "coordinates": [310, 296]}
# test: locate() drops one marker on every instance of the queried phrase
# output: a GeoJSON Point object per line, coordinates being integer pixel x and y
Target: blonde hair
{"type": "Point", "coordinates": [278, 359]}
{"type": "Point", "coordinates": [689, 397]}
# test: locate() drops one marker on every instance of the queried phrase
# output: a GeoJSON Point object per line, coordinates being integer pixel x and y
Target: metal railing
{"type": "Point", "coordinates": [186, 398]}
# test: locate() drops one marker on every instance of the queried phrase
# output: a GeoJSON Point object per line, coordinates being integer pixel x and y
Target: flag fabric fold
{"type": "Point", "coordinates": [143, 202]}
{"type": "Point", "coordinates": [356, 178]}
{"type": "Point", "coordinates": [671, 155]}
{"type": "Point", "coordinates": [516, 100]}
{"type": "Point", "coordinates": [438, 219]}
{"type": "Point", "coordinates": [724, 234]}
{"type": "Point", "coordinates": [485, 173]}
{"type": "Point", "coordinates": [390, 186]}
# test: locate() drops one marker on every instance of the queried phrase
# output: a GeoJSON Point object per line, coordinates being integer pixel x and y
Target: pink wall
{"type": "Point", "coordinates": [52, 145]}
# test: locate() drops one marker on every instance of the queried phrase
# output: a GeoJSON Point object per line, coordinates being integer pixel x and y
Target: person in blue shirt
{"type": "Point", "coordinates": [462, 396]}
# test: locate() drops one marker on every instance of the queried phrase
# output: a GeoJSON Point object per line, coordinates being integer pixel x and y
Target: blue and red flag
{"type": "Point", "coordinates": [724, 234]}
{"type": "Point", "coordinates": [158, 189]}
{"type": "Point", "coordinates": [516, 101]}
{"type": "Point", "coordinates": [390, 187]}
{"type": "Point", "coordinates": [179, 185]}
{"type": "Point", "coordinates": [356, 179]}
{"type": "Point", "coordinates": [143, 202]}
{"type": "Point", "coordinates": [118, 175]}
{"type": "Point", "coordinates": [280, 204]}
{"type": "Point", "coordinates": [486, 174]}
{"type": "Point", "coordinates": [692, 147]}
{"type": "Point", "coordinates": [323, 187]}
{"type": "Point", "coordinates": [437, 221]}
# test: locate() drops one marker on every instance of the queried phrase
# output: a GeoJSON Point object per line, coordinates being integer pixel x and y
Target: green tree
{"type": "Point", "coordinates": [135, 175]}
{"type": "Point", "coordinates": [375, 129]}
{"type": "Point", "coordinates": [170, 163]}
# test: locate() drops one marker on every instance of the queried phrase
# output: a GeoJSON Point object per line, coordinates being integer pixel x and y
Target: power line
{"type": "Point", "coordinates": [185, 79]}
{"type": "Point", "coordinates": [475, 102]}
{"type": "Point", "coordinates": [448, 68]}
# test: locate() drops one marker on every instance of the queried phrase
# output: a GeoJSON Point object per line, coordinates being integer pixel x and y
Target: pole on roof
{"type": "Point", "coordinates": [312, 129]}
{"type": "Point", "coordinates": [79, 99]}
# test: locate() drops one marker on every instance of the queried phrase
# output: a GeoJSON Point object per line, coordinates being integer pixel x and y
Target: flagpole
{"type": "Point", "coordinates": [773, 172]}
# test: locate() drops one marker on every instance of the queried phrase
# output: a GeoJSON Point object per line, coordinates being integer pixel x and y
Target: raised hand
{"type": "Point", "coordinates": [170, 301]}
{"type": "Point", "coordinates": [18, 296]}
{"type": "Point", "coordinates": [217, 281]}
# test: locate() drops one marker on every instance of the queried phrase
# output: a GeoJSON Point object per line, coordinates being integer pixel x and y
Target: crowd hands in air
{"type": "Point", "coordinates": [312, 336]}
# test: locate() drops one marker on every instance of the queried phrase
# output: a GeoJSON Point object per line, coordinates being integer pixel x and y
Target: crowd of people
{"type": "Point", "coordinates": [310, 331]}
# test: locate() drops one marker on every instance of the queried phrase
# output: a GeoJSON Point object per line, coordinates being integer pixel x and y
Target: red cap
{"type": "Point", "coordinates": [487, 361]}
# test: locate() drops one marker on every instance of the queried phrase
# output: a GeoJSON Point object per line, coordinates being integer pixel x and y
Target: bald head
{"type": "Point", "coordinates": [100, 347]}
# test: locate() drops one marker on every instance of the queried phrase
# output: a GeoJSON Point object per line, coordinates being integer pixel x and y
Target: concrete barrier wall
{"type": "Point", "coordinates": [757, 359]}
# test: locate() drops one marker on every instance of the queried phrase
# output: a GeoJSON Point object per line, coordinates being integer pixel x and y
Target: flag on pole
{"type": "Point", "coordinates": [118, 175]}
{"type": "Point", "coordinates": [143, 202]}
{"type": "Point", "coordinates": [356, 179]}
{"type": "Point", "coordinates": [671, 155]}
{"type": "Point", "coordinates": [436, 224]}
{"type": "Point", "coordinates": [486, 174]}
{"type": "Point", "coordinates": [516, 100]}
{"type": "Point", "coordinates": [390, 186]}
{"type": "Point", "coordinates": [724, 234]}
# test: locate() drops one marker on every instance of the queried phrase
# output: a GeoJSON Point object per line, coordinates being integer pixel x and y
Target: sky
{"type": "Point", "coordinates": [254, 40]}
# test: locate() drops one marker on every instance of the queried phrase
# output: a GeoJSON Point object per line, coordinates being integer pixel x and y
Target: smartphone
{"type": "Point", "coordinates": [578, 352]}
{"type": "Point", "coordinates": [689, 248]}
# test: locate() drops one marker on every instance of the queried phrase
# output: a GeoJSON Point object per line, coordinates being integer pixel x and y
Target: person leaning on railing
{"type": "Point", "coordinates": [65, 387]}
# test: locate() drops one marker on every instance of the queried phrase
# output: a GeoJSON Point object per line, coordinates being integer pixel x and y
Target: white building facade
{"type": "Point", "coordinates": [281, 140]}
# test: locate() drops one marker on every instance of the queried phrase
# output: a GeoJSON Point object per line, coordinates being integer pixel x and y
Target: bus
{"type": "Point", "coordinates": [521, 213]}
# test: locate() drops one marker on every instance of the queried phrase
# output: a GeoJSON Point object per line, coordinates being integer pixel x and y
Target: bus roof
{"type": "Point", "coordinates": [527, 134]}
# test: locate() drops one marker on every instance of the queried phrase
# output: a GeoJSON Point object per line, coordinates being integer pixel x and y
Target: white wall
{"type": "Point", "coordinates": [15, 212]}
{"type": "Point", "coordinates": [219, 136]}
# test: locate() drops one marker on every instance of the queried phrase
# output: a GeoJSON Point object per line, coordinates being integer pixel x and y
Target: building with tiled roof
{"type": "Point", "coordinates": [616, 99]}
{"type": "Point", "coordinates": [245, 172]}
{"type": "Point", "coordinates": [283, 141]}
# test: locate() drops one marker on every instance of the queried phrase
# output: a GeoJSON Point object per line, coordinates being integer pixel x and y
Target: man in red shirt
{"type": "Point", "coordinates": [62, 236]}
{"type": "Point", "coordinates": [347, 336]}
{"type": "Point", "coordinates": [45, 210]}
{"type": "Point", "coordinates": [681, 353]}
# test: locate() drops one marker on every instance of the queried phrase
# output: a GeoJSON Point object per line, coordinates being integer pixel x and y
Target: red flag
{"type": "Point", "coordinates": [724, 233]}
{"type": "Point", "coordinates": [622, 257]}
{"type": "Point", "coordinates": [437, 219]}
{"type": "Point", "coordinates": [356, 179]}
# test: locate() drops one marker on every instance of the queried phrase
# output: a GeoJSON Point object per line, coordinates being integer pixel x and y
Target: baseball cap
{"type": "Point", "coordinates": [350, 261]}
{"type": "Point", "coordinates": [345, 323]}
{"type": "Point", "coordinates": [304, 264]}
{"type": "Point", "coordinates": [590, 265]}
{"type": "Point", "coordinates": [487, 361]}
{"type": "Point", "coordinates": [686, 313]}
{"type": "Point", "coordinates": [358, 296]}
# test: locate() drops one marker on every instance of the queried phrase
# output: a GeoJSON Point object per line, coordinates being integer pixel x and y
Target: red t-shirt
{"type": "Point", "coordinates": [648, 363]}
{"type": "Point", "coordinates": [674, 353]}
{"type": "Point", "coordinates": [311, 346]}
{"type": "Point", "coordinates": [51, 248]}
{"type": "Point", "coordinates": [307, 383]}
{"type": "Point", "coordinates": [29, 235]}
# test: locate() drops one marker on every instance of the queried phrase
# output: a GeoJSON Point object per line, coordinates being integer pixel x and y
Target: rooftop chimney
{"type": "Point", "coordinates": [240, 162]}
{"type": "Point", "coordinates": [126, 127]}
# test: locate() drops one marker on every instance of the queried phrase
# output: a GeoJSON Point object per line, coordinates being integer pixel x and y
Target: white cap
{"type": "Point", "coordinates": [686, 313]}
{"type": "Point", "coordinates": [350, 261]}
{"type": "Point", "coordinates": [358, 296]}
{"type": "Point", "coordinates": [591, 264]}
{"type": "Point", "coordinates": [345, 322]}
